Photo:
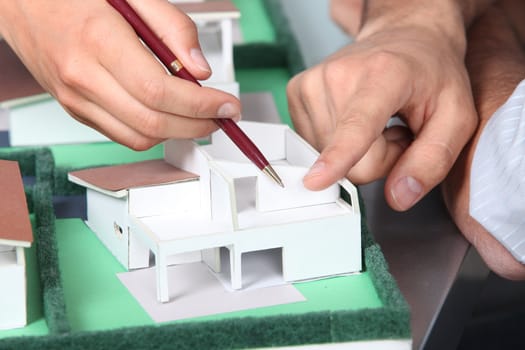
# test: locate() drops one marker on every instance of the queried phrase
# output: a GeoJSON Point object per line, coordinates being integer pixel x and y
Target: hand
{"type": "Point", "coordinates": [496, 63]}
{"type": "Point", "coordinates": [88, 57]}
{"type": "Point", "coordinates": [409, 67]}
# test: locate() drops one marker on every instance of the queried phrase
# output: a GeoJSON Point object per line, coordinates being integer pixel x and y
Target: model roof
{"type": "Point", "coordinates": [209, 10]}
{"type": "Point", "coordinates": [126, 176]}
{"type": "Point", "coordinates": [15, 227]}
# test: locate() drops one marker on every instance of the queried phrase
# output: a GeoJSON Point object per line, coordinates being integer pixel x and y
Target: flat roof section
{"type": "Point", "coordinates": [126, 176]}
{"type": "Point", "coordinates": [15, 226]}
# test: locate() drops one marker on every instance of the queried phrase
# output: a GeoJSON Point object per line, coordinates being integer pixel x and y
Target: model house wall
{"type": "Point", "coordinates": [215, 21]}
{"type": "Point", "coordinates": [15, 236]}
{"type": "Point", "coordinates": [130, 189]}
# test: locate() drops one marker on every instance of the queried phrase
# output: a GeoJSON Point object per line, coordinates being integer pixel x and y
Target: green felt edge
{"type": "Point", "coordinates": [390, 322]}
{"type": "Point", "coordinates": [285, 36]}
{"type": "Point", "coordinates": [38, 163]}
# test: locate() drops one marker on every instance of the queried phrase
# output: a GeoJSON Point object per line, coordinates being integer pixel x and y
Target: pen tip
{"type": "Point", "coordinates": [272, 174]}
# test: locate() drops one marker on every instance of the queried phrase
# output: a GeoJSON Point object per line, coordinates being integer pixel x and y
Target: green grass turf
{"type": "Point", "coordinates": [85, 155]}
{"type": "Point", "coordinates": [255, 24]}
{"type": "Point", "coordinates": [95, 297]}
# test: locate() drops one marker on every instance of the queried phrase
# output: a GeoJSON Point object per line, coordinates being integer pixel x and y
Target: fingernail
{"type": "Point", "coordinates": [406, 192]}
{"type": "Point", "coordinates": [237, 118]}
{"type": "Point", "coordinates": [228, 110]}
{"type": "Point", "coordinates": [316, 169]}
{"type": "Point", "coordinates": [200, 61]}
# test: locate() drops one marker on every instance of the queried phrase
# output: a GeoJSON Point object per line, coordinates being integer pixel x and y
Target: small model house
{"type": "Point", "coordinates": [15, 236]}
{"type": "Point", "coordinates": [201, 198]}
{"type": "Point", "coordinates": [214, 20]}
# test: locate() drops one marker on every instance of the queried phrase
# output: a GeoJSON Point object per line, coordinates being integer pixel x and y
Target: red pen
{"type": "Point", "coordinates": [171, 62]}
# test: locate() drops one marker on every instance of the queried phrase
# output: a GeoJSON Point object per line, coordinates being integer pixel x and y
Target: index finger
{"type": "Point", "coordinates": [377, 98]}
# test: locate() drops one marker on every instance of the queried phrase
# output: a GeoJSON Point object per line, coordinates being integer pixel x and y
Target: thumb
{"type": "Point", "coordinates": [431, 155]}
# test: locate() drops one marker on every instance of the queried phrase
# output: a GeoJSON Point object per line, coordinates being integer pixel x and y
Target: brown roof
{"type": "Point", "coordinates": [14, 216]}
{"type": "Point", "coordinates": [125, 176]}
{"type": "Point", "coordinates": [207, 6]}
{"type": "Point", "coordinates": [15, 79]}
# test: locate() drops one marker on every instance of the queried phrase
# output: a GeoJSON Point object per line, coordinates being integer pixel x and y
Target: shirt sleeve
{"type": "Point", "coordinates": [497, 178]}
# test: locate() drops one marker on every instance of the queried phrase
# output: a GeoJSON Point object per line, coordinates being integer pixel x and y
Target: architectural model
{"type": "Point", "coordinates": [204, 197]}
{"type": "Point", "coordinates": [30, 110]}
{"type": "Point", "coordinates": [215, 20]}
{"type": "Point", "coordinates": [15, 235]}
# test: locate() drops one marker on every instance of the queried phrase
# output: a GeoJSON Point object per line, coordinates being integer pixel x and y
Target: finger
{"type": "Point", "coordinates": [429, 158]}
{"type": "Point", "coordinates": [108, 125]}
{"type": "Point", "coordinates": [309, 111]}
{"type": "Point", "coordinates": [177, 31]}
{"type": "Point", "coordinates": [381, 156]}
{"type": "Point", "coordinates": [147, 81]}
{"type": "Point", "coordinates": [110, 96]}
{"type": "Point", "coordinates": [360, 124]}
{"type": "Point", "coordinates": [300, 117]}
{"type": "Point", "coordinates": [320, 111]}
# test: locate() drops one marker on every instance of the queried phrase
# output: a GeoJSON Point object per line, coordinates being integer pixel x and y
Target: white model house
{"type": "Point", "coordinates": [204, 197]}
{"type": "Point", "coordinates": [15, 236]}
{"type": "Point", "coordinates": [215, 20]}
{"type": "Point", "coordinates": [31, 113]}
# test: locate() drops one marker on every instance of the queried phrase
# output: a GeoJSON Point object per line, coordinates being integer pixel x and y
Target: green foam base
{"type": "Point", "coordinates": [391, 321]}
{"type": "Point", "coordinates": [59, 329]}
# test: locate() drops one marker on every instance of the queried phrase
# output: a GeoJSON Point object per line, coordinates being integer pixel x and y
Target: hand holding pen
{"type": "Point", "coordinates": [91, 61]}
{"type": "Point", "coordinates": [175, 66]}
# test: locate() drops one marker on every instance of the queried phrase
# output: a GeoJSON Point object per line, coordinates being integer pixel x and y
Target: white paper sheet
{"type": "Point", "coordinates": [195, 291]}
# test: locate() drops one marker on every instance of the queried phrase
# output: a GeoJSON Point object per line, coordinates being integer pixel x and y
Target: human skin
{"type": "Point", "coordinates": [87, 56]}
{"type": "Point", "coordinates": [348, 14]}
{"type": "Point", "coordinates": [407, 59]}
{"type": "Point", "coordinates": [496, 64]}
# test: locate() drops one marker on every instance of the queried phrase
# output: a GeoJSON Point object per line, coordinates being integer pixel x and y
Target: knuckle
{"type": "Point", "coordinates": [200, 108]}
{"type": "Point", "coordinates": [440, 156]}
{"type": "Point", "coordinates": [336, 72]}
{"type": "Point", "coordinates": [153, 91]}
{"type": "Point", "coordinates": [353, 124]}
{"type": "Point", "coordinates": [292, 85]}
{"type": "Point", "coordinates": [70, 72]}
{"type": "Point", "coordinates": [382, 61]}
{"type": "Point", "coordinates": [204, 129]}
{"type": "Point", "coordinates": [309, 88]}
{"type": "Point", "coordinates": [151, 125]}
{"type": "Point", "coordinates": [66, 98]}
{"type": "Point", "coordinates": [293, 93]}
{"type": "Point", "coordinates": [186, 25]}
{"type": "Point", "coordinates": [92, 38]}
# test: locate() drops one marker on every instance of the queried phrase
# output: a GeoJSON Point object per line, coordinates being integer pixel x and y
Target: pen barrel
{"type": "Point", "coordinates": [149, 38]}
{"type": "Point", "coordinates": [242, 141]}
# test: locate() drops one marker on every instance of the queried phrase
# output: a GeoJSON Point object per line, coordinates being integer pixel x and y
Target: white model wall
{"type": "Point", "coordinates": [12, 291]}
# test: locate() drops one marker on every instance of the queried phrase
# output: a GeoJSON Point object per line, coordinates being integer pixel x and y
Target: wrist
{"type": "Point", "coordinates": [444, 18]}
